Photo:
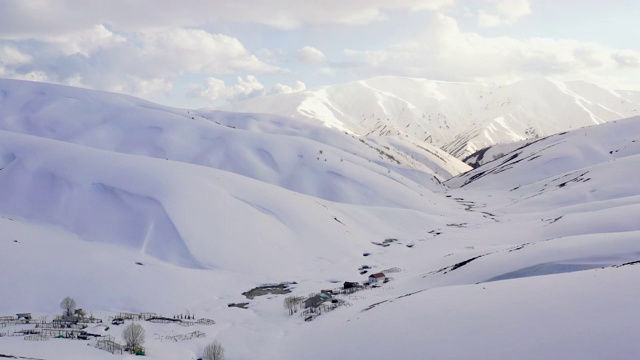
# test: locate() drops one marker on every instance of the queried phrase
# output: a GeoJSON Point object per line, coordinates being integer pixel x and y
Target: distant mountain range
{"type": "Point", "coordinates": [459, 118]}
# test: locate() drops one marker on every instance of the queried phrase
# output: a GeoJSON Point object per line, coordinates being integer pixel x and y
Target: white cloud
{"type": "Point", "coordinates": [11, 56]}
{"type": "Point", "coordinates": [215, 89]}
{"type": "Point", "coordinates": [87, 42]}
{"type": "Point", "coordinates": [626, 59]}
{"type": "Point", "coordinates": [309, 55]}
{"type": "Point", "coordinates": [108, 45]}
{"type": "Point", "coordinates": [244, 88]}
{"type": "Point", "coordinates": [31, 76]}
{"type": "Point", "coordinates": [192, 50]}
{"type": "Point", "coordinates": [432, 5]}
{"type": "Point", "coordinates": [271, 54]}
{"type": "Point", "coordinates": [25, 19]}
{"type": "Point", "coordinates": [285, 89]}
{"type": "Point", "coordinates": [503, 12]}
{"type": "Point", "coordinates": [445, 52]}
{"type": "Point", "coordinates": [140, 64]}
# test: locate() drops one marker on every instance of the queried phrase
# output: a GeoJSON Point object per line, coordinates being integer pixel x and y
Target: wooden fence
{"type": "Point", "coordinates": [108, 344]}
{"type": "Point", "coordinates": [38, 337]}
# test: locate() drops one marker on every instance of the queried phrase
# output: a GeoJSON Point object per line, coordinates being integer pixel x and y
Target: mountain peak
{"type": "Point", "coordinates": [459, 118]}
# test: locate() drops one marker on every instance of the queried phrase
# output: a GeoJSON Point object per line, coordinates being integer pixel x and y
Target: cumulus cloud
{"type": "Point", "coordinates": [286, 89]}
{"type": "Point", "coordinates": [216, 89]}
{"type": "Point", "coordinates": [503, 12]}
{"type": "Point", "coordinates": [626, 59]}
{"type": "Point", "coordinates": [193, 50]}
{"type": "Point", "coordinates": [445, 52]}
{"type": "Point", "coordinates": [9, 55]}
{"type": "Point", "coordinates": [87, 42]}
{"type": "Point", "coordinates": [24, 19]}
{"type": "Point", "coordinates": [309, 55]}
{"type": "Point", "coordinates": [244, 88]}
{"type": "Point", "coordinates": [140, 63]}
{"type": "Point", "coordinates": [213, 89]}
{"type": "Point", "coordinates": [108, 45]}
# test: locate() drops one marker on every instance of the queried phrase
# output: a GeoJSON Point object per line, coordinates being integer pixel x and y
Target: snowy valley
{"type": "Point", "coordinates": [130, 206]}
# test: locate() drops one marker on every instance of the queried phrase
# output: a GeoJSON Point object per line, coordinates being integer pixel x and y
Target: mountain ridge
{"type": "Point", "coordinates": [459, 118]}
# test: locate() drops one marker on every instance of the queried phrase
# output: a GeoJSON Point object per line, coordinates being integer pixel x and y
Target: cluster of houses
{"type": "Point", "coordinates": [62, 326]}
{"type": "Point", "coordinates": [77, 325]}
{"type": "Point", "coordinates": [324, 301]}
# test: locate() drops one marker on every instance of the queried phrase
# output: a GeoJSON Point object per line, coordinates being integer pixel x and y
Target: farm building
{"type": "Point", "coordinates": [315, 301]}
{"type": "Point", "coordinates": [26, 316]}
{"type": "Point", "coordinates": [350, 285]}
{"type": "Point", "coordinates": [377, 278]}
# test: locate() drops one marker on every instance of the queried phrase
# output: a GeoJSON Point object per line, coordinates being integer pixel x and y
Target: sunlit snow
{"type": "Point", "coordinates": [129, 206]}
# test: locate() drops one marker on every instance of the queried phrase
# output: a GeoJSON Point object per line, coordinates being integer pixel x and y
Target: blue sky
{"type": "Point", "coordinates": [199, 53]}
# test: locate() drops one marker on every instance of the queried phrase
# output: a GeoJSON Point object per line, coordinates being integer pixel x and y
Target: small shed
{"type": "Point", "coordinates": [377, 278]}
{"type": "Point", "coordinates": [350, 285]}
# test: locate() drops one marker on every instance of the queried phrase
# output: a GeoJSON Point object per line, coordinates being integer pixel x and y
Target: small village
{"type": "Point", "coordinates": [74, 324]}
{"type": "Point", "coordinates": [77, 324]}
{"type": "Point", "coordinates": [327, 299]}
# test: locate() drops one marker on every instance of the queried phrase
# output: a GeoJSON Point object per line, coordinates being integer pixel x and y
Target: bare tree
{"type": "Point", "coordinates": [133, 336]}
{"type": "Point", "coordinates": [289, 303]}
{"type": "Point", "coordinates": [213, 351]}
{"type": "Point", "coordinates": [297, 303]}
{"type": "Point", "coordinates": [68, 305]}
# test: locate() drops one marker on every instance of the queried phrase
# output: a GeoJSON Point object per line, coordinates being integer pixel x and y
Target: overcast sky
{"type": "Point", "coordinates": [195, 53]}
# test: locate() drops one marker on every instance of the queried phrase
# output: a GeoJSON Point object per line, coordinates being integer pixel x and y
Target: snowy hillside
{"type": "Point", "coordinates": [128, 206]}
{"type": "Point", "coordinates": [197, 192]}
{"type": "Point", "coordinates": [457, 117]}
{"type": "Point", "coordinates": [568, 152]}
{"type": "Point", "coordinates": [494, 152]}
{"type": "Point", "coordinates": [283, 152]}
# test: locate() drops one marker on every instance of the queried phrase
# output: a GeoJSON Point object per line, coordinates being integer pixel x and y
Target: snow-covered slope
{"type": "Point", "coordinates": [128, 206]}
{"type": "Point", "coordinates": [201, 192]}
{"type": "Point", "coordinates": [292, 154]}
{"type": "Point", "coordinates": [457, 117]}
{"type": "Point", "coordinates": [547, 158]}
{"type": "Point", "coordinates": [494, 152]}
{"type": "Point", "coordinates": [577, 183]}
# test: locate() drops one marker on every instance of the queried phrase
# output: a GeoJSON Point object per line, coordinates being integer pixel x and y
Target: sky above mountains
{"type": "Point", "coordinates": [192, 53]}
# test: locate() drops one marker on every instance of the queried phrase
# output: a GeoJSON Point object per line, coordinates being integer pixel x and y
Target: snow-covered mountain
{"type": "Point", "coordinates": [457, 117]}
{"type": "Point", "coordinates": [269, 148]}
{"type": "Point", "coordinates": [130, 206]}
